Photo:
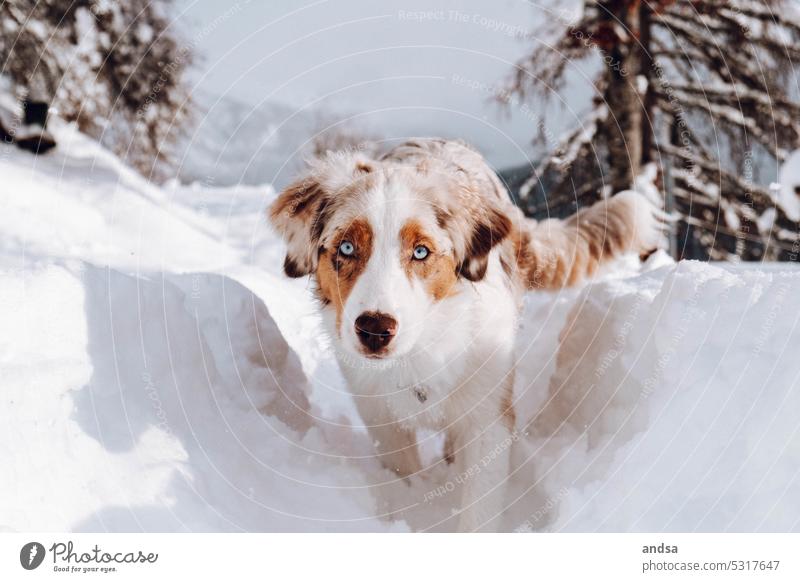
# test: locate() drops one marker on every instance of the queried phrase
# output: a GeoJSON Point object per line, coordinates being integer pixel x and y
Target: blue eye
{"type": "Point", "coordinates": [347, 248]}
{"type": "Point", "coordinates": [421, 252]}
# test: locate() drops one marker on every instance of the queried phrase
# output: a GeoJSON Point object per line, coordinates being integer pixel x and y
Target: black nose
{"type": "Point", "coordinates": [375, 330]}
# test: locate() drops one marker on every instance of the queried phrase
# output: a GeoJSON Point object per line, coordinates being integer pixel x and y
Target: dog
{"type": "Point", "coordinates": [420, 262]}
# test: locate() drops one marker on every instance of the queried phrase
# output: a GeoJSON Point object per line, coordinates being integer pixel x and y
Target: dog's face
{"type": "Point", "coordinates": [386, 243]}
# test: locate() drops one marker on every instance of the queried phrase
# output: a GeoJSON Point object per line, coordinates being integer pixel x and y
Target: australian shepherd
{"type": "Point", "coordinates": [420, 261]}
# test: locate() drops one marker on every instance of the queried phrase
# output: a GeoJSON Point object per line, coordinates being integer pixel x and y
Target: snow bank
{"type": "Point", "coordinates": [670, 404]}
{"type": "Point", "coordinates": [81, 202]}
{"type": "Point", "coordinates": [170, 403]}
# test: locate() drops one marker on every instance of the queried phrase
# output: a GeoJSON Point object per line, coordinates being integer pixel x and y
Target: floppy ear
{"type": "Point", "coordinates": [485, 230]}
{"type": "Point", "coordinates": [301, 211]}
{"type": "Point", "coordinates": [296, 215]}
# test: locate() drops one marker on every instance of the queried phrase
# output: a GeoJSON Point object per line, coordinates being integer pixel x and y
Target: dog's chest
{"type": "Point", "coordinates": [415, 392]}
{"type": "Point", "coordinates": [422, 400]}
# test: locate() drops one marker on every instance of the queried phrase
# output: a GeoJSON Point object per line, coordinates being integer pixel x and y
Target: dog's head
{"type": "Point", "coordinates": [386, 241]}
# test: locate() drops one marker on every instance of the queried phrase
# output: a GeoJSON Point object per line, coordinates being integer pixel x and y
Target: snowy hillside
{"type": "Point", "coordinates": [160, 374]}
{"type": "Point", "coordinates": [236, 143]}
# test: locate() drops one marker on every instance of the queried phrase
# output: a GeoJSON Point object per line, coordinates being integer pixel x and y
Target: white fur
{"type": "Point", "coordinates": [458, 351]}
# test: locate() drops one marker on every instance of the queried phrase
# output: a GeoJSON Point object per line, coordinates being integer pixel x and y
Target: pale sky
{"type": "Point", "coordinates": [400, 68]}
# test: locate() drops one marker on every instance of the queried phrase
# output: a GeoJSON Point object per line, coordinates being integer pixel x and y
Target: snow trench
{"type": "Point", "coordinates": [662, 400]}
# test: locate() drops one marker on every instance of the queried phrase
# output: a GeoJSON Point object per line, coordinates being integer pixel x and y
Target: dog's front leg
{"type": "Point", "coordinates": [483, 470]}
{"type": "Point", "coordinates": [397, 449]}
{"type": "Point", "coordinates": [395, 444]}
{"type": "Point", "coordinates": [484, 437]}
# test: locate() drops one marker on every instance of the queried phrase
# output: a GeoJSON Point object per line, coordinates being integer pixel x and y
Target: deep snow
{"type": "Point", "coordinates": [159, 374]}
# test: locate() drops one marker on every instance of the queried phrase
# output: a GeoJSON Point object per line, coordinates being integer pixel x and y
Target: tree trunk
{"type": "Point", "coordinates": [647, 71]}
{"type": "Point", "coordinates": [622, 60]}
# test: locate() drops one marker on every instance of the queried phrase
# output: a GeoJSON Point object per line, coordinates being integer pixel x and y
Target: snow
{"type": "Point", "coordinates": [166, 403]}
{"type": "Point", "coordinates": [671, 403]}
{"type": "Point", "coordinates": [85, 204]}
{"type": "Point", "coordinates": [789, 187]}
{"type": "Point", "coordinates": [160, 374]}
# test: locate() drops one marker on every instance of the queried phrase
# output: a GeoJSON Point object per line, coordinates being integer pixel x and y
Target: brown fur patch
{"type": "Point", "coordinates": [442, 218]}
{"type": "Point", "coordinates": [336, 273]}
{"type": "Point", "coordinates": [488, 232]}
{"type": "Point", "coordinates": [363, 167]}
{"type": "Point", "coordinates": [438, 270]}
{"type": "Point", "coordinates": [291, 268]}
{"type": "Point", "coordinates": [507, 407]}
